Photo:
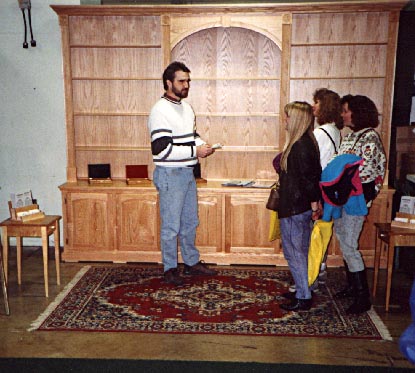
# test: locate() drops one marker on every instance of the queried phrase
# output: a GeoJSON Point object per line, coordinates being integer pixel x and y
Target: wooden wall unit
{"type": "Point", "coordinates": [247, 62]}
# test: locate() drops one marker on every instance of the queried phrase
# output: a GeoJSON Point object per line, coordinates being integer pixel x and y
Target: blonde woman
{"type": "Point", "coordinates": [299, 175]}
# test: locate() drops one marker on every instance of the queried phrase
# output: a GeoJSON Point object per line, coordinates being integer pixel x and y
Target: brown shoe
{"type": "Point", "coordinates": [199, 269]}
{"type": "Point", "coordinates": [172, 276]}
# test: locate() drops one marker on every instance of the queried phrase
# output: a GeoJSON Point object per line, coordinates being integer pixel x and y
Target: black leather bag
{"type": "Point", "coordinates": [273, 199]}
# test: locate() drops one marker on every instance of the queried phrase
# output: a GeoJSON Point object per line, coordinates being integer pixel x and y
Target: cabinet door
{"type": "Point", "coordinates": [89, 221]}
{"type": "Point", "coordinates": [247, 225]}
{"type": "Point", "coordinates": [209, 234]}
{"type": "Point", "coordinates": [137, 225]}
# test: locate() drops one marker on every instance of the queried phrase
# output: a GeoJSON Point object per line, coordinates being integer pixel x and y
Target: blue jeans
{"type": "Point", "coordinates": [178, 213]}
{"type": "Point", "coordinates": [348, 229]}
{"type": "Point", "coordinates": [295, 236]}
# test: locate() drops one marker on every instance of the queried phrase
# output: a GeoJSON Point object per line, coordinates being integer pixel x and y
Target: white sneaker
{"type": "Point", "coordinates": [322, 276]}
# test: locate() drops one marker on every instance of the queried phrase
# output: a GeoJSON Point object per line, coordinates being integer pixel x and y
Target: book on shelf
{"type": "Point", "coordinates": [262, 184]}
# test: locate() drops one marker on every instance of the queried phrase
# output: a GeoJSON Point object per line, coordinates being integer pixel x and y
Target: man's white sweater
{"type": "Point", "coordinates": [173, 134]}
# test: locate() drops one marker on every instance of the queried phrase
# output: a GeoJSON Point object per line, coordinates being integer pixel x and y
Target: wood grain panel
{"type": "Point", "coordinates": [127, 63]}
{"type": "Point", "coordinates": [239, 131]}
{"type": "Point", "coordinates": [111, 131]}
{"type": "Point", "coordinates": [184, 26]}
{"type": "Point", "coordinates": [338, 61]}
{"type": "Point", "coordinates": [229, 52]}
{"type": "Point", "coordinates": [66, 61]}
{"type": "Point", "coordinates": [229, 77]}
{"type": "Point", "coordinates": [256, 97]}
{"type": "Point", "coordinates": [117, 158]}
{"type": "Point", "coordinates": [136, 228]}
{"type": "Point", "coordinates": [209, 232]}
{"type": "Point", "coordinates": [334, 28]}
{"type": "Point", "coordinates": [285, 75]}
{"type": "Point", "coordinates": [118, 96]}
{"type": "Point", "coordinates": [241, 8]}
{"type": "Point", "coordinates": [240, 165]}
{"type": "Point", "coordinates": [248, 224]}
{"type": "Point", "coordinates": [303, 89]}
{"type": "Point", "coordinates": [90, 220]}
{"type": "Point", "coordinates": [115, 30]}
{"type": "Point", "coordinates": [390, 76]}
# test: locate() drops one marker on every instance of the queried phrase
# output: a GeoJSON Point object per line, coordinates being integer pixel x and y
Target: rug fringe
{"type": "Point", "coordinates": [380, 326]}
{"type": "Point", "coordinates": [39, 321]}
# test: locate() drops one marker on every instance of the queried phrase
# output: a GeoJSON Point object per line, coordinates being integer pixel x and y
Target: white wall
{"type": "Point", "coordinates": [32, 117]}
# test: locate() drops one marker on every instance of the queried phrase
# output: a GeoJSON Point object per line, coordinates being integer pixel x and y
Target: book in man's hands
{"type": "Point", "coordinates": [250, 183]}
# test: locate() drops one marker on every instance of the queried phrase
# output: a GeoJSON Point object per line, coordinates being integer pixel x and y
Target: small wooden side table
{"type": "Point", "coordinates": [391, 236]}
{"type": "Point", "coordinates": [37, 228]}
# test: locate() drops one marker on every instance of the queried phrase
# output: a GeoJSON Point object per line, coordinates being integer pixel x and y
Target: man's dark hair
{"type": "Point", "coordinates": [330, 107]}
{"type": "Point", "coordinates": [170, 72]}
{"type": "Point", "coordinates": [364, 113]}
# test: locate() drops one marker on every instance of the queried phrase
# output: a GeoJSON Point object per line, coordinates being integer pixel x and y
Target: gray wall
{"type": "Point", "coordinates": [32, 117]}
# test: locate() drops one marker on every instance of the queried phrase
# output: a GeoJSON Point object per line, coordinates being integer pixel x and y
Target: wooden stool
{"type": "Point", "coordinates": [36, 228]}
{"type": "Point", "coordinates": [391, 237]}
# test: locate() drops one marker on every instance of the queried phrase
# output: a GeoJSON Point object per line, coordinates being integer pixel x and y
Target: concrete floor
{"type": "Point", "coordinates": [27, 302]}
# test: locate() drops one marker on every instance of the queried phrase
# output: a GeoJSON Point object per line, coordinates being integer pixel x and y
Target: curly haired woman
{"type": "Point", "coordinates": [361, 116]}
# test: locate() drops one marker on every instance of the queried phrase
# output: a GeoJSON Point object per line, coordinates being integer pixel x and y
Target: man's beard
{"type": "Point", "coordinates": [181, 94]}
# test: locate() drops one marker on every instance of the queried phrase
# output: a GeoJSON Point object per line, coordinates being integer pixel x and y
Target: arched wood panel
{"type": "Point", "coordinates": [235, 94]}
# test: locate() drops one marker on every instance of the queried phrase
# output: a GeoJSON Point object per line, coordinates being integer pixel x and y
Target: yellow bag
{"type": "Point", "coordinates": [319, 240]}
{"type": "Point", "coordinates": [274, 226]}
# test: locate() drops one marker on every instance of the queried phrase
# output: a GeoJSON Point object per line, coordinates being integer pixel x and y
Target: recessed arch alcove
{"type": "Point", "coordinates": [235, 92]}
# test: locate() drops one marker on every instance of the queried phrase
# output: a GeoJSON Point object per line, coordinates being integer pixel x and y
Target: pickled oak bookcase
{"type": "Point", "coordinates": [247, 61]}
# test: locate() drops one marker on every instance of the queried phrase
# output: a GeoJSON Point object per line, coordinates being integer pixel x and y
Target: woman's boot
{"type": "Point", "coordinates": [362, 296]}
{"type": "Point", "coordinates": [348, 291]}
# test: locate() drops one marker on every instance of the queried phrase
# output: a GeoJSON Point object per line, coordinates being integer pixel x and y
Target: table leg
{"type": "Point", "coordinates": [45, 245]}
{"type": "Point", "coordinates": [5, 240]}
{"type": "Point", "coordinates": [4, 286]}
{"type": "Point", "coordinates": [391, 253]}
{"type": "Point", "coordinates": [19, 259]}
{"type": "Point", "coordinates": [57, 253]}
{"type": "Point", "coordinates": [378, 249]}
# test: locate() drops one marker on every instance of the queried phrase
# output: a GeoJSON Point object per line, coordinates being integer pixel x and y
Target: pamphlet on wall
{"type": "Point", "coordinates": [407, 205]}
{"type": "Point", "coordinates": [21, 199]}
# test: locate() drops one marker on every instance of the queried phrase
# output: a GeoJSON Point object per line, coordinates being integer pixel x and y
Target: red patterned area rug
{"type": "Point", "coordinates": [237, 301]}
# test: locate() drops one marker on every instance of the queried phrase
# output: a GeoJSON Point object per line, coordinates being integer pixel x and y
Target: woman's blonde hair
{"type": "Point", "coordinates": [301, 121]}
